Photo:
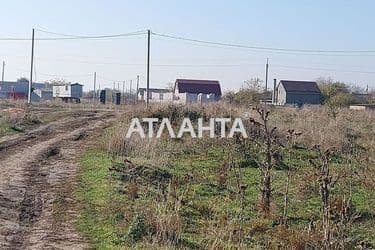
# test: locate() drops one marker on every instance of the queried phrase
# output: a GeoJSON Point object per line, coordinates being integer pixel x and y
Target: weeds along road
{"type": "Point", "coordinates": [38, 174]}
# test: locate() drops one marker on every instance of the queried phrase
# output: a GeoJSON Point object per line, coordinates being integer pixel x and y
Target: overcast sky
{"type": "Point", "coordinates": [299, 24]}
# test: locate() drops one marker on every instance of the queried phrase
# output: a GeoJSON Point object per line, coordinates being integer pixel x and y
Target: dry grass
{"type": "Point", "coordinates": [318, 127]}
{"type": "Point", "coordinates": [207, 211]}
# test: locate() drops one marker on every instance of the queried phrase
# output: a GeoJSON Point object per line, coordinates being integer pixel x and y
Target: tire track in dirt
{"type": "Point", "coordinates": [22, 140]}
{"type": "Point", "coordinates": [37, 207]}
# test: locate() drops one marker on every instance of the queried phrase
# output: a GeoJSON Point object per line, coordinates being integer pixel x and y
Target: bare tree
{"type": "Point", "coordinates": [254, 84]}
{"type": "Point", "coordinates": [291, 141]}
{"type": "Point", "coordinates": [55, 81]}
{"type": "Point", "coordinates": [326, 179]}
{"type": "Point", "coordinates": [269, 144]}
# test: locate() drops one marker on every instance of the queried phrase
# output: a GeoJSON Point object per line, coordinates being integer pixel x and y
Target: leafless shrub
{"type": "Point", "coordinates": [166, 220]}
{"type": "Point", "coordinates": [327, 180]}
{"type": "Point", "coordinates": [291, 140]}
{"type": "Point", "coordinates": [132, 190]}
{"type": "Point", "coordinates": [285, 238]}
{"type": "Point", "coordinates": [269, 146]}
{"type": "Point", "coordinates": [222, 175]}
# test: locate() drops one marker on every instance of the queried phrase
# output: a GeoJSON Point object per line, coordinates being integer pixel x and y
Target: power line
{"type": "Point", "coordinates": [144, 64]}
{"type": "Point", "coordinates": [71, 37]}
{"type": "Point", "coordinates": [292, 51]}
{"type": "Point", "coordinates": [243, 63]}
{"type": "Point", "coordinates": [222, 66]}
{"type": "Point", "coordinates": [140, 32]}
{"type": "Point", "coordinates": [204, 65]}
{"type": "Point", "coordinates": [217, 66]}
{"type": "Point", "coordinates": [271, 52]}
{"type": "Point", "coordinates": [262, 48]}
{"type": "Point", "coordinates": [58, 34]}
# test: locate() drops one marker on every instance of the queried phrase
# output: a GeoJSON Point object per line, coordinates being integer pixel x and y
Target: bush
{"type": "Point", "coordinates": [137, 229]}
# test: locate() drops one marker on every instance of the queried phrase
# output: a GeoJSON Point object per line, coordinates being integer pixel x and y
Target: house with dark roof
{"type": "Point", "coordinates": [296, 93]}
{"type": "Point", "coordinates": [196, 91]}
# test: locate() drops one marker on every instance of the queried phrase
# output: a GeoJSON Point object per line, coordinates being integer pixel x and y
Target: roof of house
{"type": "Point", "coordinates": [154, 90]}
{"type": "Point", "coordinates": [198, 86]}
{"type": "Point", "coordinates": [67, 84]}
{"type": "Point", "coordinates": [300, 86]}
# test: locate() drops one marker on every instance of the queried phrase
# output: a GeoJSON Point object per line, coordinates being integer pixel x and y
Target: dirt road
{"type": "Point", "coordinates": [38, 174]}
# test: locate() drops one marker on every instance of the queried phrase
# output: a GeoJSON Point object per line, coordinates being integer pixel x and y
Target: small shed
{"type": "Point", "coordinates": [68, 92]}
{"type": "Point", "coordinates": [298, 93]}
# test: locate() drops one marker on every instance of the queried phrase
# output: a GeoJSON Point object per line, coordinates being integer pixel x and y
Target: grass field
{"type": "Point", "coordinates": [180, 193]}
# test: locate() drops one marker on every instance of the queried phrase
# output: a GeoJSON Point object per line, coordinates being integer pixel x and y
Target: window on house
{"type": "Point", "coordinates": [161, 96]}
{"type": "Point", "coordinates": [66, 88]}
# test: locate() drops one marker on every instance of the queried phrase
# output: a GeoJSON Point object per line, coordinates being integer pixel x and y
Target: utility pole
{"type": "Point", "coordinates": [35, 73]}
{"type": "Point", "coordinates": [123, 91]}
{"type": "Point", "coordinates": [136, 97]}
{"type": "Point", "coordinates": [2, 73]}
{"type": "Point", "coordinates": [130, 89]}
{"type": "Point", "coordinates": [267, 75]}
{"type": "Point", "coordinates": [148, 66]}
{"type": "Point", "coordinates": [31, 67]}
{"type": "Point", "coordinates": [113, 92]}
{"type": "Point", "coordinates": [94, 96]}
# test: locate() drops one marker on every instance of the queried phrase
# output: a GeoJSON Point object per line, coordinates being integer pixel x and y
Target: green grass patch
{"type": "Point", "coordinates": [98, 196]}
{"type": "Point", "coordinates": [207, 207]}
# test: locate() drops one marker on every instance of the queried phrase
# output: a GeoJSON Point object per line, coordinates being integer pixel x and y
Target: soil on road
{"type": "Point", "coordinates": [37, 179]}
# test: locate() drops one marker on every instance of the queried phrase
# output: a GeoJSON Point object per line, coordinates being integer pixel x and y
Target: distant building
{"type": "Point", "coordinates": [155, 95]}
{"type": "Point", "coordinates": [44, 93]}
{"type": "Point", "coordinates": [196, 91]}
{"type": "Point", "coordinates": [68, 92]}
{"type": "Point", "coordinates": [362, 97]}
{"type": "Point", "coordinates": [20, 90]}
{"type": "Point", "coordinates": [296, 93]}
{"type": "Point", "coordinates": [362, 107]}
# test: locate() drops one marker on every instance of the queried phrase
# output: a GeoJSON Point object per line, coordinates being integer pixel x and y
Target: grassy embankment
{"type": "Point", "coordinates": [12, 123]}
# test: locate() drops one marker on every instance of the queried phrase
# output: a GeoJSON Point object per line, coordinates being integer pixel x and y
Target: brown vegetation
{"type": "Point", "coordinates": [300, 154]}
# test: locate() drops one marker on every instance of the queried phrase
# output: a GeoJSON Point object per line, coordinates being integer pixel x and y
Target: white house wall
{"type": "Point", "coordinates": [67, 91]}
{"type": "Point", "coordinates": [281, 95]}
{"type": "Point", "coordinates": [180, 98]}
{"type": "Point", "coordinates": [61, 91]}
{"type": "Point", "coordinates": [155, 97]}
